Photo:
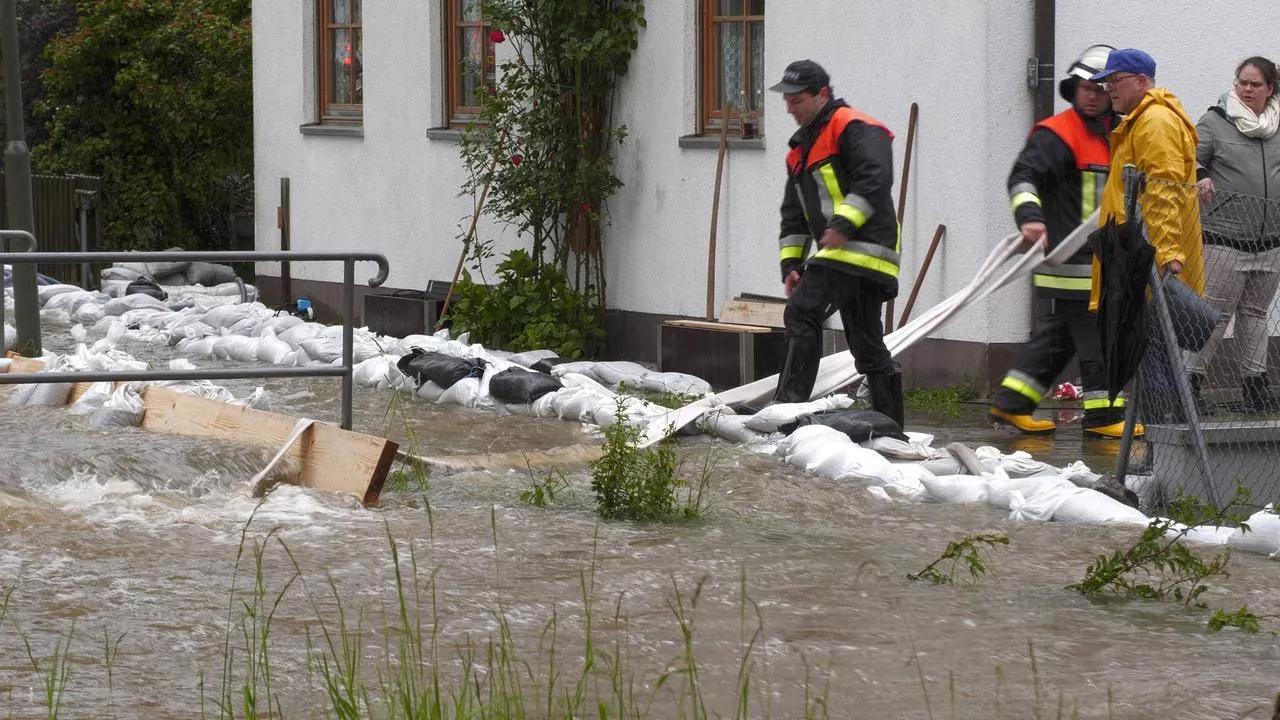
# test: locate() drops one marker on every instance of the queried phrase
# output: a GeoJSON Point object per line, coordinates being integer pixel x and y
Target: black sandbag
{"type": "Point", "coordinates": [443, 370]}
{"type": "Point", "coordinates": [145, 286]}
{"type": "Point", "coordinates": [544, 365]}
{"type": "Point", "coordinates": [517, 386]}
{"type": "Point", "coordinates": [859, 425]}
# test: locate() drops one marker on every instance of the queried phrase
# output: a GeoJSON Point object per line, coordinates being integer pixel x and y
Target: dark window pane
{"type": "Point", "coordinates": [729, 7]}
{"type": "Point", "coordinates": [356, 12]}
{"type": "Point", "coordinates": [755, 93]}
{"type": "Point", "coordinates": [730, 41]}
{"type": "Point", "coordinates": [757, 7]}
{"type": "Point", "coordinates": [340, 12]}
{"type": "Point", "coordinates": [471, 46]}
{"type": "Point", "coordinates": [357, 66]}
{"type": "Point", "coordinates": [340, 70]}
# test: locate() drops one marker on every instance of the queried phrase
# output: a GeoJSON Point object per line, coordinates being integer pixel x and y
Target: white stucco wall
{"type": "Point", "coordinates": [394, 190]}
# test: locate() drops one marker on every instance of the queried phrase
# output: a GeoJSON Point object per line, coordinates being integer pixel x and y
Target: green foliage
{"type": "Point", "coordinates": [1244, 618]}
{"type": "Point", "coordinates": [156, 97]}
{"type": "Point", "coordinates": [542, 144]}
{"type": "Point", "coordinates": [673, 400]}
{"type": "Point", "coordinates": [944, 399]}
{"type": "Point", "coordinates": [643, 485]}
{"type": "Point", "coordinates": [530, 308]}
{"type": "Point", "coordinates": [1158, 566]}
{"type": "Point", "coordinates": [966, 552]}
{"type": "Point", "coordinates": [543, 492]}
{"type": "Point", "coordinates": [39, 21]}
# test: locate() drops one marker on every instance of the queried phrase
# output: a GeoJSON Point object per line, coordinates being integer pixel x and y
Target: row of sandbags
{"type": "Point", "coordinates": [171, 273]}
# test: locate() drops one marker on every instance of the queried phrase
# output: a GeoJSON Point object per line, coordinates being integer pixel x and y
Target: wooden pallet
{"type": "Point", "coordinates": [328, 457]}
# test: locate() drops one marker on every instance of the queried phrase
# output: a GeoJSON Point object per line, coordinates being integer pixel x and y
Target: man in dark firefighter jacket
{"type": "Point", "coordinates": [1056, 183]}
{"type": "Point", "coordinates": [839, 193]}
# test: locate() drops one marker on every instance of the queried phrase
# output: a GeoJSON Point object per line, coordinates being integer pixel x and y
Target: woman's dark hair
{"type": "Point", "coordinates": [1270, 75]}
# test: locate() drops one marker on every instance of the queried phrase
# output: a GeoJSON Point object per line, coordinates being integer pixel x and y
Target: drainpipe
{"type": "Point", "coordinates": [1040, 72]}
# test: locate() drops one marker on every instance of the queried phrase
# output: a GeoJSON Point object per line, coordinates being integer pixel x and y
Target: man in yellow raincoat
{"type": "Point", "coordinates": [1158, 138]}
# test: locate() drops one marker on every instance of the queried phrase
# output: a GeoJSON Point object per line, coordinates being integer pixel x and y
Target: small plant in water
{"type": "Point", "coordinates": [967, 552]}
{"type": "Point", "coordinates": [543, 492]}
{"type": "Point", "coordinates": [634, 484]}
{"type": "Point", "coordinates": [673, 400]}
{"type": "Point", "coordinates": [944, 399]}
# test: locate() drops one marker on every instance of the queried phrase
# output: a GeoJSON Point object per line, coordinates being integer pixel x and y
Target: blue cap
{"type": "Point", "coordinates": [1128, 60]}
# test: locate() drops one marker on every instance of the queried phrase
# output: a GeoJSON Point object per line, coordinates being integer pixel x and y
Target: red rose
{"type": "Point", "coordinates": [496, 36]}
{"type": "Point", "coordinates": [585, 207]}
{"type": "Point", "coordinates": [516, 159]}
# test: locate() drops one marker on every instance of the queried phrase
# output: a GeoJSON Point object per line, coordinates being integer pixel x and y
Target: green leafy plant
{"type": "Point", "coordinates": [966, 553]}
{"type": "Point", "coordinates": [532, 307]}
{"type": "Point", "coordinates": [1160, 567]}
{"type": "Point", "coordinates": [944, 399]}
{"type": "Point", "coordinates": [673, 400]}
{"type": "Point", "coordinates": [154, 97]}
{"type": "Point", "coordinates": [644, 485]}
{"type": "Point", "coordinates": [541, 147]}
{"type": "Point", "coordinates": [1243, 618]}
{"type": "Point", "coordinates": [544, 492]}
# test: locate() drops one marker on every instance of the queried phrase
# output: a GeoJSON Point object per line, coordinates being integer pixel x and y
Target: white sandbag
{"type": "Point", "coordinates": [430, 391]}
{"type": "Point", "coordinates": [852, 461]}
{"type": "Point", "coordinates": [1210, 535]}
{"type": "Point", "coordinates": [225, 316]}
{"type": "Point", "coordinates": [730, 427]}
{"type": "Point", "coordinates": [369, 372]}
{"type": "Point", "coordinates": [200, 347]}
{"type": "Point", "coordinates": [956, 488]}
{"type": "Point", "coordinates": [45, 292]}
{"type": "Point", "coordinates": [530, 357]}
{"type": "Point", "coordinates": [122, 305]}
{"type": "Point", "coordinates": [198, 388]}
{"type": "Point", "coordinates": [1090, 507]}
{"type": "Point", "coordinates": [465, 392]}
{"type": "Point", "coordinates": [123, 409]}
{"type": "Point", "coordinates": [907, 483]}
{"type": "Point", "coordinates": [278, 323]}
{"type": "Point", "coordinates": [576, 404]}
{"type": "Point", "coordinates": [908, 450]}
{"type": "Point", "coordinates": [114, 288]}
{"type": "Point", "coordinates": [55, 317]}
{"type": "Point", "coordinates": [1020, 464]}
{"type": "Point", "coordinates": [578, 367]}
{"type": "Point", "coordinates": [241, 348]}
{"type": "Point", "coordinates": [543, 407]}
{"type": "Point", "coordinates": [1001, 490]}
{"type": "Point", "coordinates": [259, 399]}
{"type": "Point", "coordinates": [147, 317]}
{"type": "Point", "coordinates": [272, 350]}
{"type": "Point", "coordinates": [944, 464]}
{"type": "Point", "coordinates": [88, 313]}
{"type": "Point", "coordinates": [120, 272]}
{"type": "Point", "coordinates": [68, 302]}
{"type": "Point", "coordinates": [1263, 535]}
{"type": "Point", "coordinates": [618, 372]}
{"type": "Point", "coordinates": [298, 333]}
{"type": "Point", "coordinates": [772, 416]}
{"type": "Point", "coordinates": [585, 382]}
{"type": "Point", "coordinates": [789, 444]}
{"type": "Point", "coordinates": [1041, 507]}
{"type": "Point", "coordinates": [674, 382]}
{"type": "Point", "coordinates": [1080, 474]}
{"type": "Point", "coordinates": [634, 411]}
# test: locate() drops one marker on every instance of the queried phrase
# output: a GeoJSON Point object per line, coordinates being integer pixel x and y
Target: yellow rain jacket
{"type": "Point", "coordinates": [1160, 140]}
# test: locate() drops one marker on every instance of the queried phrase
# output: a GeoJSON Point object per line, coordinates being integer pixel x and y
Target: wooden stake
{"type": "Point", "coordinates": [902, 196]}
{"type": "Point", "coordinates": [715, 216]}
{"type": "Point", "coordinates": [466, 239]}
{"type": "Point", "coordinates": [924, 269]}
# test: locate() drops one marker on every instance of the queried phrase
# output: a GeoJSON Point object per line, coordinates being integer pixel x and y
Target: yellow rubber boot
{"type": "Point", "coordinates": [1026, 423]}
{"type": "Point", "coordinates": [1114, 431]}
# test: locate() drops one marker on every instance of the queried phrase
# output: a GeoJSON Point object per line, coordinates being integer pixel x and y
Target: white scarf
{"type": "Point", "coordinates": [1249, 124]}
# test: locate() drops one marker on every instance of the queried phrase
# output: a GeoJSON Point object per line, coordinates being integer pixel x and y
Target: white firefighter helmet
{"type": "Point", "coordinates": [1090, 63]}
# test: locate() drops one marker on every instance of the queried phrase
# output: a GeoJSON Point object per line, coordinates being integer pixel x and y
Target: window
{"type": "Point", "coordinates": [468, 59]}
{"type": "Point", "coordinates": [341, 66]}
{"type": "Point", "coordinates": [732, 65]}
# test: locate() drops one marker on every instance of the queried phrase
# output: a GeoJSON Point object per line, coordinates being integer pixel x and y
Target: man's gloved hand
{"type": "Point", "coordinates": [792, 269]}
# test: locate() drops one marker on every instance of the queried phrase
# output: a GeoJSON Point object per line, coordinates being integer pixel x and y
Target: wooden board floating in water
{"type": "Point", "coordinates": [329, 458]}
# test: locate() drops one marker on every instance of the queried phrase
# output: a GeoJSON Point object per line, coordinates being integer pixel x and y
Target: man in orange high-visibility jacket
{"type": "Point", "coordinates": [839, 194]}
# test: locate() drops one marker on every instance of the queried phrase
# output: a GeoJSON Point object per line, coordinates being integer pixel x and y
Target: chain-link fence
{"type": "Point", "coordinates": [1201, 385]}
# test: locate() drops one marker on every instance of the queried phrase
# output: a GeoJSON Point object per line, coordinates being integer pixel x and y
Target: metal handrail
{"type": "Point", "coordinates": [344, 371]}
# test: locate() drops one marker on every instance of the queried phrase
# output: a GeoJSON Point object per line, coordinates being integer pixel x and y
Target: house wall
{"type": "Point", "coordinates": [394, 190]}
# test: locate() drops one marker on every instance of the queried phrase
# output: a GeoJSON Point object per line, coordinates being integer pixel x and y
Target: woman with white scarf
{"type": "Point", "coordinates": [1238, 167]}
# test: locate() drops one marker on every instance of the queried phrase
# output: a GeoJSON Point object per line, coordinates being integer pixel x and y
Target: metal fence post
{"type": "Point", "coordinates": [17, 166]}
{"type": "Point", "coordinates": [1134, 183]}
{"type": "Point", "coordinates": [5, 237]}
{"type": "Point", "coordinates": [84, 202]}
{"type": "Point", "coordinates": [348, 320]}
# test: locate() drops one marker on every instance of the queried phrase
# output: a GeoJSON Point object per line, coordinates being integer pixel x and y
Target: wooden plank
{"type": "Point", "coordinates": [720, 326]}
{"type": "Point", "coordinates": [329, 458]}
{"type": "Point", "coordinates": [753, 312]}
{"type": "Point", "coordinates": [20, 363]}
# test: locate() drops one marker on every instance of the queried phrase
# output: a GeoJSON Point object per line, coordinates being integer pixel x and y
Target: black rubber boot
{"type": "Point", "coordinates": [886, 396]}
{"type": "Point", "coordinates": [1203, 406]}
{"type": "Point", "coordinates": [1257, 394]}
{"type": "Point", "coordinates": [799, 372]}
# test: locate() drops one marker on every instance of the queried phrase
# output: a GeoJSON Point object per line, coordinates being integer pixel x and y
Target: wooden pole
{"type": "Point", "coordinates": [715, 217]}
{"type": "Point", "coordinates": [466, 239]}
{"type": "Point", "coordinates": [902, 196]}
{"type": "Point", "coordinates": [924, 269]}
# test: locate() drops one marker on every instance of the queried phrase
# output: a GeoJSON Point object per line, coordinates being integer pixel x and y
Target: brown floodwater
{"type": "Point", "coordinates": [120, 548]}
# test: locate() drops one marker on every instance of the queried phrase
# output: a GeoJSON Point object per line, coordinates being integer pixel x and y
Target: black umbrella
{"type": "Point", "coordinates": [1125, 258]}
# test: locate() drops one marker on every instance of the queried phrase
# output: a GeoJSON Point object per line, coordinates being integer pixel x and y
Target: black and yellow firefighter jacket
{"type": "Point", "coordinates": [840, 175]}
{"type": "Point", "coordinates": [1058, 180]}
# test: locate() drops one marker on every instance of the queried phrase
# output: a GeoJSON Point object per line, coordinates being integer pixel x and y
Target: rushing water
{"type": "Point", "coordinates": [120, 548]}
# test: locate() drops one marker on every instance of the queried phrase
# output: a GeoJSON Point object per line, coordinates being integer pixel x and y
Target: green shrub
{"type": "Point", "coordinates": [532, 307]}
